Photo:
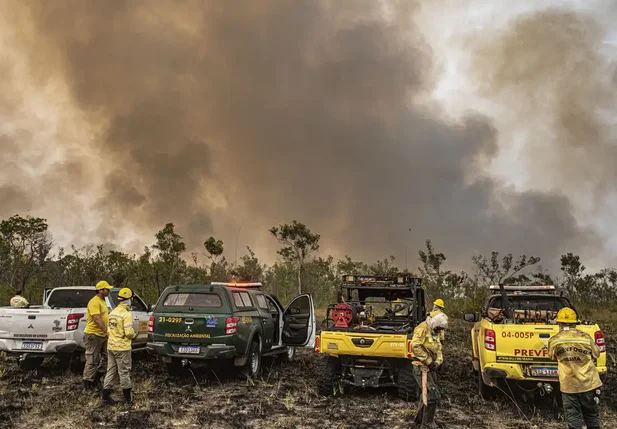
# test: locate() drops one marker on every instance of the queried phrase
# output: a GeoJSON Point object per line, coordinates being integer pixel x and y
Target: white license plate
{"type": "Point", "coordinates": [35, 345]}
{"type": "Point", "coordinates": [189, 350]}
{"type": "Point", "coordinates": [545, 372]}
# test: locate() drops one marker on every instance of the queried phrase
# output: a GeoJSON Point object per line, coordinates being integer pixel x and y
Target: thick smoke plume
{"type": "Point", "coordinates": [216, 115]}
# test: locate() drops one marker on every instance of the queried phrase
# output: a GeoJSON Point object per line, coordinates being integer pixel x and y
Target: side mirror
{"type": "Point", "coordinates": [294, 310]}
{"type": "Point", "coordinates": [471, 317]}
{"type": "Point", "coordinates": [150, 307]}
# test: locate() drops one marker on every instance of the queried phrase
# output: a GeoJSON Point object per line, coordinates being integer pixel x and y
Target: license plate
{"type": "Point", "coordinates": [545, 372]}
{"type": "Point", "coordinates": [143, 326]}
{"type": "Point", "coordinates": [189, 349]}
{"type": "Point", "coordinates": [32, 345]}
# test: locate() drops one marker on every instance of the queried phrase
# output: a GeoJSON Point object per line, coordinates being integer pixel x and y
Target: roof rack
{"type": "Point", "coordinates": [238, 284]}
{"type": "Point", "coordinates": [524, 288]}
{"type": "Point", "coordinates": [362, 280]}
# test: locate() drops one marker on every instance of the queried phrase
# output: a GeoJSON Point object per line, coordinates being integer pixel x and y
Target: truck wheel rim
{"type": "Point", "coordinates": [254, 363]}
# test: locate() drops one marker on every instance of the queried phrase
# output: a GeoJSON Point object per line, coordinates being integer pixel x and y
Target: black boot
{"type": "Point", "coordinates": [127, 396]}
{"type": "Point", "coordinates": [428, 419]}
{"type": "Point", "coordinates": [97, 383]}
{"type": "Point", "coordinates": [107, 399]}
{"type": "Point", "coordinates": [419, 415]}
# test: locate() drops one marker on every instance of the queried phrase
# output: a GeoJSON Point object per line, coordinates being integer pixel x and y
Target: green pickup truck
{"type": "Point", "coordinates": [228, 321]}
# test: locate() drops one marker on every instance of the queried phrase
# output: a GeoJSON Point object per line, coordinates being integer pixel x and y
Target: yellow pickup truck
{"type": "Point", "coordinates": [510, 339]}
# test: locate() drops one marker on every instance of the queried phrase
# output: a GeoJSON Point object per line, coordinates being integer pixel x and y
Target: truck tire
{"type": "Point", "coordinates": [174, 368]}
{"type": "Point", "coordinates": [253, 362]}
{"type": "Point", "coordinates": [328, 371]}
{"type": "Point", "coordinates": [30, 363]}
{"type": "Point", "coordinates": [289, 355]}
{"type": "Point", "coordinates": [408, 389]}
{"type": "Point", "coordinates": [73, 362]}
{"type": "Point", "coordinates": [485, 391]}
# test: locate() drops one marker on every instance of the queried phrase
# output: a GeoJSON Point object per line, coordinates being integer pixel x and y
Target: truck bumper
{"type": "Point", "coordinates": [170, 350]}
{"type": "Point", "coordinates": [511, 371]}
{"type": "Point", "coordinates": [48, 347]}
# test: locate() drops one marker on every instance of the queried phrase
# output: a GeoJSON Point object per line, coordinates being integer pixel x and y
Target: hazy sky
{"type": "Point", "coordinates": [481, 125]}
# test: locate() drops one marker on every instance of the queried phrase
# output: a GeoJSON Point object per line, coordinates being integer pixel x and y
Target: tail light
{"type": "Point", "coordinates": [489, 340]}
{"type": "Point", "coordinates": [599, 337]}
{"type": "Point", "coordinates": [231, 325]}
{"type": "Point", "coordinates": [317, 344]}
{"type": "Point", "coordinates": [151, 324]}
{"type": "Point", "coordinates": [72, 321]}
{"type": "Point", "coordinates": [409, 350]}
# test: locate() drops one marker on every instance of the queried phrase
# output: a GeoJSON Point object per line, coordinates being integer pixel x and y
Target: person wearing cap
{"type": "Point", "coordinates": [95, 336]}
{"type": "Point", "coordinates": [438, 307]}
{"type": "Point", "coordinates": [18, 300]}
{"type": "Point", "coordinates": [428, 357]}
{"type": "Point", "coordinates": [121, 334]}
{"type": "Point", "coordinates": [576, 353]}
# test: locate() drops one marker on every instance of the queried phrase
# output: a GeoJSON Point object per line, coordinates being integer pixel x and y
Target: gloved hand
{"type": "Point", "coordinates": [434, 366]}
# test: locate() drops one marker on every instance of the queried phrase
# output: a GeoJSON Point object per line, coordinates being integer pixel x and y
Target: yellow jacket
{"type": "Point", "coordinates": [576, 353]}
{"type": "Point", "coordinates": [442, 334]}
{"type": "Point", "coordinates": [120, 329]}
{"type": "Point", "coordinates": [19, 301]}
{"type": "Point", "coordinates": [425, 347]}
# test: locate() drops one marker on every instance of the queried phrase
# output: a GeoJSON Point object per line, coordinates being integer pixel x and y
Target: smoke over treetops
{"type": "Point", "coordinates": [121, 116]}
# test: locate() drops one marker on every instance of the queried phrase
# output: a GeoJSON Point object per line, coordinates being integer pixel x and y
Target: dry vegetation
{"type": "Point", "coordinates": [283, 398]}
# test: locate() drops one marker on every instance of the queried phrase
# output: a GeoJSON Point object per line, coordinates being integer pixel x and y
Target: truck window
{"type": "Point", "coordinates": [532, 303]}
{"type": "Point", "coordinates": [136, 305]}
{"type": "Point", "coordinates": [242, 300]}
{"type": "Point", "coordinates": [66, 298]}
{"type": "Point", "coordinates": [193, 299]}
{"type": "Point", "coordinates": [261, 302]}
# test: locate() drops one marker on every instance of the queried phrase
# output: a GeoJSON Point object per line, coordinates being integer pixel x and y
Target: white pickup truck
{"type": "Point", "coordinates": [56, 328]}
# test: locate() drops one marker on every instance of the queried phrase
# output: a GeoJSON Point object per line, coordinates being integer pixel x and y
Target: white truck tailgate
{"type": "Point", "coordinates": [33, 329]}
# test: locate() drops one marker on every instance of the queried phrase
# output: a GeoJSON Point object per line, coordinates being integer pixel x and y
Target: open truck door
{"type": "Point", "coordinates": [299, 323]}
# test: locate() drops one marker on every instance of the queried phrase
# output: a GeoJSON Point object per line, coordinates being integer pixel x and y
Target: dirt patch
{"type": "Point", "coordinates": [284, 397]}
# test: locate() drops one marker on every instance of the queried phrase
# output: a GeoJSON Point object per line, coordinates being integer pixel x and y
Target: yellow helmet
{"type": "Point", "coordinates": [567, 315]}
{"type": "Point", "coordinates": [102, 285]}
{"type": "Point", "coordinates": [125, 293]}
{"type": "Point", "coordinates": [439, 303]}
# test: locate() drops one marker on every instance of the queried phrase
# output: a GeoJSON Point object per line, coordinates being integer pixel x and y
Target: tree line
{"type": "Point", "coordinates": [28, 263]}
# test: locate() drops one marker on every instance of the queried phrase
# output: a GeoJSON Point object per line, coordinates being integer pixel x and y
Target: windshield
{"type": "Point", "coordinates": [65, 298]}
{"type": "Point", "coordinates": [521, 302]}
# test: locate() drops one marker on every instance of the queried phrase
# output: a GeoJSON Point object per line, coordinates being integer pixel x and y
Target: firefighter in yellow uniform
{"type": "Point", "coordinates": [121, 334]}
{"type": "Point", "coordinates": [438, 307]}
{"type": "Point", "coordinates": [428, 357]}
{"type": "Point", "coordinates": [18, 300]}
{"type": "Point", "coordinates": [95, 336]}
{"type": "Point", "coordinates": [576, 353]}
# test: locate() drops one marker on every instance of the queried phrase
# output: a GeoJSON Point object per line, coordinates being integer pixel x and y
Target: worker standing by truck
{"type": "Point", "coordinates": [121, 333]}
{"type": "Point", "coordinates": [95, 336]}
{"type": "Point", "coordinates": [428, 357]}
{"type": "Point", "coordinates": [438, 307]}
{"type": "Point", "coordinates": [575, 352]}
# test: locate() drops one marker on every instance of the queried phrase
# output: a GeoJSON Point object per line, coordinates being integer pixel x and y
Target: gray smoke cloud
{"type": "Point", "coordinates": [215, 116]}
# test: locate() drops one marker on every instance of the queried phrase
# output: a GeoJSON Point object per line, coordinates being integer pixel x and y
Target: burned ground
{"type": "Point", "coordinates": [284, 397]}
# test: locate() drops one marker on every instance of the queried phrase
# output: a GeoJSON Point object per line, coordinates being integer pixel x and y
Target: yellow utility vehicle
{"type": "Point", "coordinates": [367, 340]}
{"type": "Point", "coordinates": [510, 339]}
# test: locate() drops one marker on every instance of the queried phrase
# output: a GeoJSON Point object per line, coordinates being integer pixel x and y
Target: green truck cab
{"type": "Point", "coordinates": [228, 321]}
